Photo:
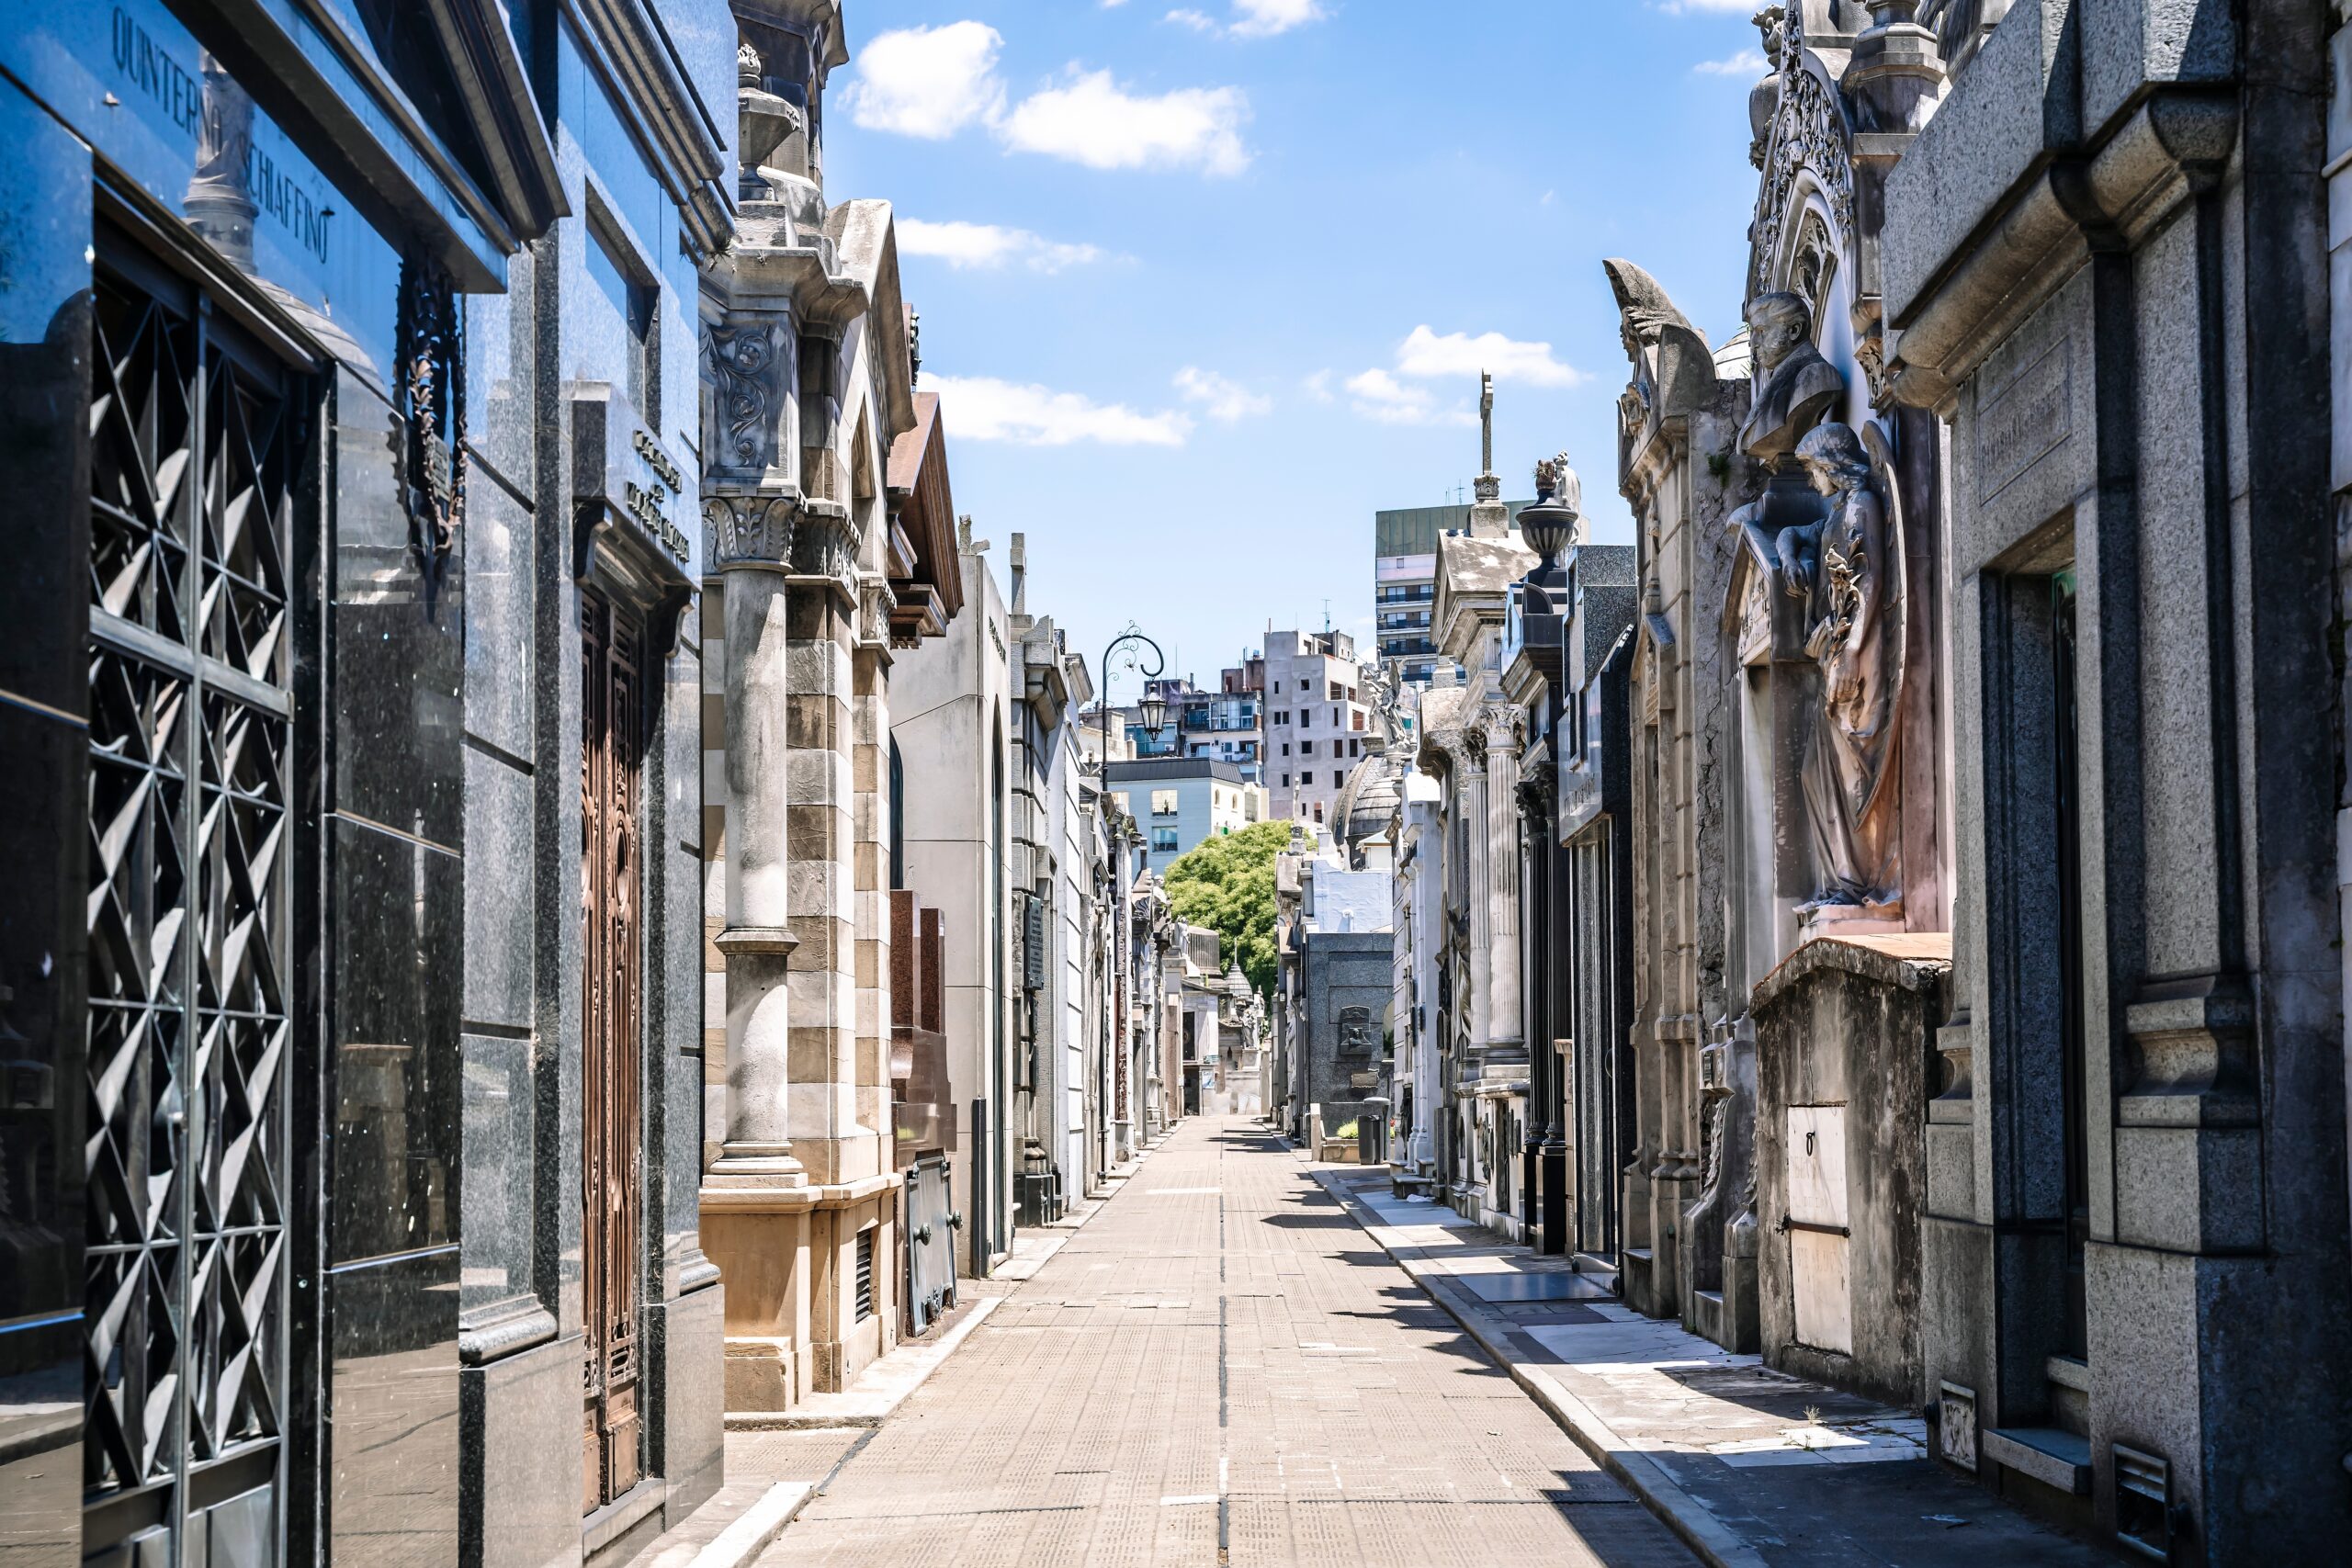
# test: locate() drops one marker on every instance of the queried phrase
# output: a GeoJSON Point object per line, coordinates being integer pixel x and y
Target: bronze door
{"type": "Point", "coordinates": [612, 1175]}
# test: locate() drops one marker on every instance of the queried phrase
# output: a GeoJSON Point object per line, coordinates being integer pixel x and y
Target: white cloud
{"type": "Point", "coordinates": [1226, 402]}
{"type": "Point", "coordinates": [934, 82]}
{"type": "Point", "coordinates": [987, 246]}
{"type": "Point", "coordinates": [927, 82]}
{"type": "Point", "coordinates": [1747, 63]}
{"type": "Point", "coordinates": [1381, 397]}
{"type": "Point", "coordinates": [1252, 18]}
{"type": "Point", "coordinates": [1091, 120]}
{"type": "Point", "coordinates": [1425, 354]}
{"type": "Point", "coordinates": [1319, 386]}
{"type": "Point", "coordinates": [1265, 18]}
{"type": "Point", "coordinates": [983, 408]}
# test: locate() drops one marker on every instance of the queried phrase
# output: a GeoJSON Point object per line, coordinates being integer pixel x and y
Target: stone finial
{"type": "Point", "coordinates": [748, 64]}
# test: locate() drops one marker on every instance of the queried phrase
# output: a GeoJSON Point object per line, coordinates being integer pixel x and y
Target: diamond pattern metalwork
{"type": "Point", "coordinates": [188, 905]}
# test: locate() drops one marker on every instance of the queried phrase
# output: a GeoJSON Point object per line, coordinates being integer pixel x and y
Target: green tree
{"type": "Point", "coordinates": [1227, 885]}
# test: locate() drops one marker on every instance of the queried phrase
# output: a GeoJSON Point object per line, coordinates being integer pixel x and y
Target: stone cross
{"type": "Point", "coordinates": [1485, 423]}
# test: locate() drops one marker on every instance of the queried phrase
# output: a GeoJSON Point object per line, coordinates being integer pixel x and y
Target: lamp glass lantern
{"type": "Point", "coordinates": [1152, 710]}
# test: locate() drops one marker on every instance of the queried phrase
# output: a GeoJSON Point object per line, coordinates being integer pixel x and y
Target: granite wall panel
{"type": "Point", "coordinates": [392, 1478]}
{"type": "Point", "coordinates": [521, 1487]}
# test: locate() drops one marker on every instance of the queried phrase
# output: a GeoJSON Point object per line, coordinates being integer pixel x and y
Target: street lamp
{"type": "Point", "coordinates": [1153, 709]}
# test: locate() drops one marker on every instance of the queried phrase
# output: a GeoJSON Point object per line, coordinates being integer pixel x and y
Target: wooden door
{"type": "Point", "coordinates": [612, 1142]}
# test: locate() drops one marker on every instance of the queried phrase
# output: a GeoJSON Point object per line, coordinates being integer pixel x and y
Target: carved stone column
{"type": "Point", "coordinates": [1500, 821]}
{"type": "Point", "coordinates": [1477, 886]}
{"type": "Point", "coordinates": [751, 540]}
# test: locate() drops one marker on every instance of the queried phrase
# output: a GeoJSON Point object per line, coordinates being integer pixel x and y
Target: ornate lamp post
{"type": "Point", "coordinates": [1550, 526]}
{"type": "Point", "coordinates": [1153, 709]}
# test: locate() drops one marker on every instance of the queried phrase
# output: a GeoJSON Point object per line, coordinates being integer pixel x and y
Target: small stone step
{"type": "Point", "coordinates": [2053, 1457]}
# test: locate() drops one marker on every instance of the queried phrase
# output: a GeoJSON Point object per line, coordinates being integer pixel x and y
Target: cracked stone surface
{"type": "Point", "coordinates": [1221, 1367]}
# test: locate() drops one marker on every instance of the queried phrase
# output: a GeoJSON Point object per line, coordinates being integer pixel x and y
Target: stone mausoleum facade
{"type": "Point", "coordinates": [349, 965]}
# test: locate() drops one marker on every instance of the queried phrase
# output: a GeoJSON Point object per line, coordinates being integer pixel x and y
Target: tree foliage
{"type": "Point", "coordinates": [1227, 883]}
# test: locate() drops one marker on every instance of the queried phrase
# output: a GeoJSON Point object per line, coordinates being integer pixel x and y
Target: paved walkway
{"type": "Point", "coordinates": [1753, 1466]}
{"type": "Point", "coordinates": [1220, 1368]}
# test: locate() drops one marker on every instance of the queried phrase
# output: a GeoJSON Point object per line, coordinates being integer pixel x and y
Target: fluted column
{"type": "Point", "coordinates": [1501, 824]}
{"type": "Point", "coordinates": [1478, 886]}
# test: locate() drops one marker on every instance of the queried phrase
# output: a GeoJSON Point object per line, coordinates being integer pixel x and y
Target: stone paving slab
{"type": "Point", "coordinates": [1218, 1369]}
{"type": "Point", "coordinates": [1748, 1465]}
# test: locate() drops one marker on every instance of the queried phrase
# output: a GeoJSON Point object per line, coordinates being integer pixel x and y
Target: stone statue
{"type": "Point", "coordinates": [1557, 482]}
{"type": "Point", "coordinates": [1843, 567]}
{"type": "Point", "coordinates": [1674, 370]}
{"type": "Point", "coordinates": [1794, 387]}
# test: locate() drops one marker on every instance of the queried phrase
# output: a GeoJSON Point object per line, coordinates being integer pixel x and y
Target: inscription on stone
{"type": "Point", "coordinates": [646, 507]}
{"type": "Point", "coordinates": [2021, 419]}
{"type": "Point", "coordinates": [659, 461]}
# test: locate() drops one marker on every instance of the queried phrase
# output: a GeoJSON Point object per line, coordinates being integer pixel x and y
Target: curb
{"type": "Point", "coordinates": [1690, 1519]}
{"type": "Point", "coordinates": [810, 1416]}
{"type": "Point", "coordinates": [758, 1526]}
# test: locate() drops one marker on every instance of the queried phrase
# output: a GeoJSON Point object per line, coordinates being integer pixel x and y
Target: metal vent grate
{"type": "Point", "coordinates": [2144, 1513]}
{"type": "Point", "coordinates": [864, 1275]}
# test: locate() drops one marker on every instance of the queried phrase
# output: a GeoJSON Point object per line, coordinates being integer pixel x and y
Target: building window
{"type": "Point", "coordinates": [1318, 812]}
{"type": "Point", "coordinates": [620, 283]}
{"type": "Point", "coordinates": [1163, 803]}
{"type": "Point", "coordinates": [1163, 840]}
{"type": "Point", "coordinates": [1306, 781]}
{"type": "Point", "coordinates": [1337, 722]}
{"type": "Point", "coordinates": [1119, 799]}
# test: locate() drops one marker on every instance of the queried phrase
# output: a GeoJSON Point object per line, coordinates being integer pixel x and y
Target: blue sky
{"type": "Point", "coordinates": [1204, 286]}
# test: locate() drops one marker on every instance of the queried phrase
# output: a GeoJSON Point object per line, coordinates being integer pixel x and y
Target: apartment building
{"type": "Point", "coordinates": [1317, 720]}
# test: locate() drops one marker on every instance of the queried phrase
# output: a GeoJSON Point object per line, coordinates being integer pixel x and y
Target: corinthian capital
{"type": "Point", "coordinates": [748, 530]}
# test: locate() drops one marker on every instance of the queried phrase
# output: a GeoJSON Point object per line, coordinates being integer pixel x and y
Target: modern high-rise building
{"type": "Point", "coordinates": [1404, 584]}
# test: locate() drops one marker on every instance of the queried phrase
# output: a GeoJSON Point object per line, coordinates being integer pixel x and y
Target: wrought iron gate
{"type": "Point", "coordinates": [190, 860]}
{"type": "Point", "coordinates": [612, 1183]}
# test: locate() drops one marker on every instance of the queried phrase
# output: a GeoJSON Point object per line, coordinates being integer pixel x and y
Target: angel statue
{"type": "Point", "coordinates": [1845, 567]}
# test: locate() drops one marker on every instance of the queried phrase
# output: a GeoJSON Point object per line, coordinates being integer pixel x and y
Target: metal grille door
{"type": "Point", "coordinates": [612, 1184]}
{"type": "Point", "coordinates": [189, 959]}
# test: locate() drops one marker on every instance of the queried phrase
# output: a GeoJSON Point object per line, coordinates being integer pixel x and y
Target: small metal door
{"type": "Point", "coordinates": [612, 1142]}
{"type": "Point", "coordinates": [1816, 1223]}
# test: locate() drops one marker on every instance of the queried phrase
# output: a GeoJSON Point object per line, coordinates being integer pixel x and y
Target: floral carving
{"type": "Point", "coordinates": [748, 530]}
{"type": "Point", "coordinates": [1808, 131]}
{"type": "Point", "coordinates": [824, 546]}
{"type": "Point", "coordinates": [746, 373]}
{"type": "Point", "coordinates": [430, 396]}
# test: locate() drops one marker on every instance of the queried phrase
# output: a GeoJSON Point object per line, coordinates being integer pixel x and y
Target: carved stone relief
{"type": "Point", "coordinates": [429, 394]}
{"type": "Point", "coordinates": [748, 530]}
{"type": "Point", "coordinates": [746, 364]}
